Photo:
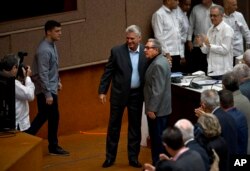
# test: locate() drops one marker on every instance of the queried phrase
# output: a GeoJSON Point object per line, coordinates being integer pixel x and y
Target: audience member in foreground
{"type": "Point", "coordinates": [242, 71]}
{"type": "Point", "coordinates": [184, 158]}
{"type": "Point", "coordinates": [208, 133]}
{"type": "Point", "coordinates": [187, 130]}
{"type": "Point", "coordinates": [227, 103]}
{"type": "Point", "coordinates": [210, 103]}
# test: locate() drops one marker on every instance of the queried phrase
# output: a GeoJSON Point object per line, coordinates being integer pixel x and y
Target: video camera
{"type": "Point", "coordinates": [21, 56]}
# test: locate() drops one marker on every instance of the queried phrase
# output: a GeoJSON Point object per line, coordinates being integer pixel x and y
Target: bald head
{"type": "Point", "coordinates": [230, 6]}
{"type": "Point", "coordinates": [186, 128]}
{"type": "Point", "coordinates": [207, 3]}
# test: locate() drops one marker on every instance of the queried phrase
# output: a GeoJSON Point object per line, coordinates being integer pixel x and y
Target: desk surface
{"type": "Point", "coordinates": [210, 84]}
{"type": "Point", "coordinates": [14, 146]}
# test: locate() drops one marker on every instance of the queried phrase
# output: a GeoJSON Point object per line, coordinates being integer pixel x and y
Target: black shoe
{"type": "Point", "coordinates": [58, 151]}
{"type": "Point", "coordinates": [135, 163]}
{"type": "Point", "coordinates": [107, 163]}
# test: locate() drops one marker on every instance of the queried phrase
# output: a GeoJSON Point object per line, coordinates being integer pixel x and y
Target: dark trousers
{"type": "Point", "coordinates": [197, 60]}
{"type": "Point", "coordinates": [217, 77]}
{"type": "Point", "coordinates": [234, 60]}
{"type": "Point", "coordinates": [176, 65]}
{"type": "Point", "coordinates": [156, 127]}
{"type": "Point", "coordinates": [134, 107]}
{"type": "Point", "coordinates": [46, 112]}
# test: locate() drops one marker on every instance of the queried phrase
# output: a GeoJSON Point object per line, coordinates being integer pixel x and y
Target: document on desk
{"type": "Point", "coordinates": [207, 82]}
{"type": "Point", "coordinates": [176, 74]}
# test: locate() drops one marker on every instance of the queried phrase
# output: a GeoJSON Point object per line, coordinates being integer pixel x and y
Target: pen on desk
{"type": "Point", "coordinates": [216, 82]}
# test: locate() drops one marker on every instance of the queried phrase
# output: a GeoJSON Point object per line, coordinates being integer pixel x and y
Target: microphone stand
{"type": "Point", "coordinates": [194, 85]}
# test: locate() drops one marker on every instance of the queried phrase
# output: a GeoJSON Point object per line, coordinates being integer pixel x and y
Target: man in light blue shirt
{"type": "Point", "coordinates": [135, 78]}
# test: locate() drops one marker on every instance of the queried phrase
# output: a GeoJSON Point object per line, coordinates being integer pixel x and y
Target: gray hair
{"type": "Point", "coordinates": [186, 128]}
{"type": "Point", "coordinates": [8, 61]}
{"type": "Point", "coordinates": [134, 29]}
{"type": "Point", "coordinates": [241, 71]}
{"type": "Point", "coordinates": [211, 99]}
{"type": "Point", "coordinates": [157, 44]}
{"type": "Point", "coordinates": [246, 57]}
{"type": "Point", "coordinates": [220, 8]}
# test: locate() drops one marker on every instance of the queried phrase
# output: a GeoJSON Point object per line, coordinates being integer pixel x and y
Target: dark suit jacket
{"type": "Point", "coordinates": [194, 145]}
{"type": "Point", "coordinates": [119, 71]}
{"type": "Point", "coordinates": [242, 129]}
{"type": "Point", "coordinates": [228, 129]}
{"type": "Point", "coordinates": [220, 146]}
{"type": "Point", "coordinates": [217, 143]}
{"type": "Point", "coordinates": [188, 161]}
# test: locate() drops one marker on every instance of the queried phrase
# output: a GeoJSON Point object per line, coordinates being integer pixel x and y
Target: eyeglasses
{"type": "Point", "coordinates": [148, 47]}
{"type": "Point", "coordinates": [214, 15]}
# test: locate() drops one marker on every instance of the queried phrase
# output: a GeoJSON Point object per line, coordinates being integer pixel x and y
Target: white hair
{"type": "Point", "coordinates": [186, 128]}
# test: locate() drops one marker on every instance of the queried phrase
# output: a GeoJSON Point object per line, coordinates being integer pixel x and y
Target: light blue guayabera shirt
{"type": "Point", "coordinates": [134, 57]}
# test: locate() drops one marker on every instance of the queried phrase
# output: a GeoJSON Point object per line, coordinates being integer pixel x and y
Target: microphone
{"type": "Point", "coordinates": [194, 85]}
{"type": "Point", "coordinates": [196, 74]}
{"type": "Point", "coordinates": [200, 83]}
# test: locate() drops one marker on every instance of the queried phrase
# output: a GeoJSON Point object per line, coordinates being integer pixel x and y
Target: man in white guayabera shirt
{"type": "Point", "coordinates": [167, 30]}
{"type": "Point", "coordinates": [241, 30]}
{"type": "Point", "coordinates": [181, 12]}
{"type": "Point", "coordinates": [200, 22]}
{"type": "Point", "coordinates": [217, 44]}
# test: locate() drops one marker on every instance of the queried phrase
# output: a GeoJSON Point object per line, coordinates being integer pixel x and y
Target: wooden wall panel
{"type": "Point", "coordinates": [243, 7]}
{"type": "Point", "coordinates": [89, 32]}
{"type": "Point", "coordinates": [105, 22]}
{"type": "Point", "coordinates": [27, 42]}
{"type": "Point", "coordinates": [4, 45]}
{"type": "Point", "coordinates": [79, 106]}
{"type": "Point", "coordinates": [31, 23]}
{"type": "Point", "coordinates": [140, 13]}
{"type": "Point", "coordinates": [85, 40]}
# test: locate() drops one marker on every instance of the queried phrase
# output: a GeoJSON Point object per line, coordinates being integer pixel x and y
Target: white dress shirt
{"type": "Point", "coordinates": [24, 93]}
{"type": "Point", "coordinates": [199, 21]}
{"type": "Point", "coordinates": [184, 25]}
{"type": "Point", "coordinates": [220, 52]}
{"type": "Point", "coordinates": [241, 29]}
{"type": "Point", "coordinates": [166, 29]}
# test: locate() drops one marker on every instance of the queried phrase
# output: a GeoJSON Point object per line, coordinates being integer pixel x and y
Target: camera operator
{"type": "Point", "coordinates": [24, 89]}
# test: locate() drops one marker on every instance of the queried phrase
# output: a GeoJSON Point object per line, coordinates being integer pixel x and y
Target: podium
{"type": "Point", "coordinates": [20, 151]}
{"type": "Point", "coordinates": [186, 99]}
